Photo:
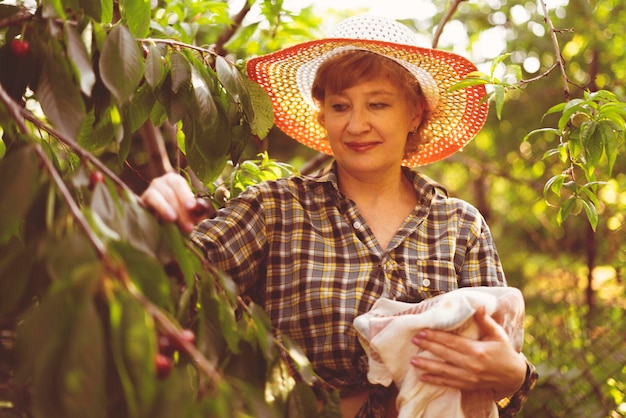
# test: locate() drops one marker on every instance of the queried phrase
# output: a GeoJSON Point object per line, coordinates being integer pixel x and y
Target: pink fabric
{"type": "Point", "coordinates": [387, 329]}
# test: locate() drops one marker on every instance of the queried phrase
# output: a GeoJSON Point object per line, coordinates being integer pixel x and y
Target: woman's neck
{"type": "Point", "coordinates": [372, 187]}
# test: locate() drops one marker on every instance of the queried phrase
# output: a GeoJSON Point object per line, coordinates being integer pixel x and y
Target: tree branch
{"type": "Point", "coordinates": [230, 30]}
{"type": "Point", "coordinates": [15, 19]}
{"type": "Point", "coordinates": [446, 18]}
{"type": "Point", "coordinates": [557, 50]}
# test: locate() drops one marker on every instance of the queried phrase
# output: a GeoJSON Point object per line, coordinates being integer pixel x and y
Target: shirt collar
{"type": "Point", "coordinates": [425, 187]}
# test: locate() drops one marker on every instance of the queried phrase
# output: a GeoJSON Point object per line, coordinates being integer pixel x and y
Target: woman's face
{"type": "Point", "coordinates": [368, 125]}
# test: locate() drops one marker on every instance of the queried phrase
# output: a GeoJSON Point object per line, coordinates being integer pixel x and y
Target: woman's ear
{"type": "Point", "coordinates": [418, 115]}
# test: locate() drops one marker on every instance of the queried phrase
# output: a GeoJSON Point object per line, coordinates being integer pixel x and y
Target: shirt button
{"type": "Point", "coordinates": [357, 225]}
{"type": "Point", "coordinates": [426, 282]}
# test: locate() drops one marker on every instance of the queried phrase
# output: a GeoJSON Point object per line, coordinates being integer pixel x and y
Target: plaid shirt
{"type": "Point", "coordinates": [301, 249]}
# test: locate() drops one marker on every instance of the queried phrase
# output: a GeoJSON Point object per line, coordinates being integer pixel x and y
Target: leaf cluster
{"type": "Point", "coordinates": [590, 131]}
{"type": "Point", "coordinates": [89, 279]}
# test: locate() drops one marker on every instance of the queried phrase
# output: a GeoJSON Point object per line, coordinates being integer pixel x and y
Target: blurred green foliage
{"type": "Point", "coordinates": [102, 273]}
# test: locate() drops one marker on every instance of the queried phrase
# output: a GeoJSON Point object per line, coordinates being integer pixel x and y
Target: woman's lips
{"type": "Point", "coordinates": [362, 146]}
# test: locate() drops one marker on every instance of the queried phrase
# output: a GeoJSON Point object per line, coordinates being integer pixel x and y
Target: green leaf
{"type": "Point", "coordinates": [80, 58]}
{"type": "Point", "coordinates": [475, 78]}
{"type": "Point", "coordinates": [571, 107]}
{"type": "Point", "coordinates": [235, 84]}
{"type": "Point", "coordinates": [62, 342]}
{"type": "Point", "coordinates": [93, 8]}
{"type": "Point", "coordinates": [554, 184]}
{"type": "Point", "coordinates": [155, 68]}
{"type": "Point", "coordinates": [52, 9]}
{"type": "Point", "coordinates": [592, 213]}
{"type": "Point", "coordinates": [133, 345]}
{"type": "Point", "coordinates": [611, 140]}
{"type": "Point", "coordinates": [564, 152]}
{"type": "Point", "coordinates": [59, 96]}
{"type": "Point", "coordinates": [107, 11]}
{"type": "Point", "coordinates": [16, 266]}
{"type": "Point", "coordinates": [176, 105]}
{"type": "Point", "coordinates": [19, 180]}
{"type": "Point", "coordinates": [121, 63]}
{"type": "Point", "coordinates": [565, 210]}
{"type": "Point", "coordinates": [207, 146]}
{"type": "Point", "coordinates": [181, 71]}
{"type": "Point", "coordinates": [147, 274]}
{"type": "Point", "coordinates": [302, 402]}
{"type": "Point", "coordinates": [137, 14]}
{"type": "Point", "coordinates": [300, 360]}
{"type": "Point", "coordinates": [263, 119]}
{"type": "Point", "coordinates": [593, 143]}
{"type": "Point", "coordinates": [498, 60]}
{"type": "Point", "coordinates": [83, 365]}
{"type": "Point", "coordinates": [140, 107]}
{"type": "Point", "coordinates": [555, 109]}
{"type": "Point", "coordinates": [538, 131]}
{"type": "Point", "coordinates": [96, 135]}
{"type": "Point", "coordinates": [204, 100]}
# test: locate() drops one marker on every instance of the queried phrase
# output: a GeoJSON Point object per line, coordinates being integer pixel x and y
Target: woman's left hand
{"type": "Point", "coordinates": [463, 363]}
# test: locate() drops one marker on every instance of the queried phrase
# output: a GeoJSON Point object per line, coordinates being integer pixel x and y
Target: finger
{"type": "Point", "coordinates": [489, 328]}
{"type": "Point", "coordinates": [442, 373]}
{"type": "Point", "coordinates": [170, 197]}
{"type": "Point", "coordinates": [181, 189]}
{"type": "Point", "coordinates": [157, 203]}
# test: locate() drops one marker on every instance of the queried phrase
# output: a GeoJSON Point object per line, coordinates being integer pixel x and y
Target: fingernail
{"type": "Point", "coordinates": [171, 215]}
{"type": "Point", "coordinates": [190, 203]}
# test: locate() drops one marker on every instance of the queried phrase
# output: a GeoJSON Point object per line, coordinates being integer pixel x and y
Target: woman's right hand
{"type": "Point", "coordinates": [170, 198]}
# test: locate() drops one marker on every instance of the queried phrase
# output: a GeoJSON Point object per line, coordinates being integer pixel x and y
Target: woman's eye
{"type": "Point", "coordinates": [338, 107]}
{"type": "Point", "coordinates": [378, 105]}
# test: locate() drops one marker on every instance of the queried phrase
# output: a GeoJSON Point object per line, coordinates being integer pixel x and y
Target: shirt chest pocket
{"type": "Point", "coordinates": [428, 278]}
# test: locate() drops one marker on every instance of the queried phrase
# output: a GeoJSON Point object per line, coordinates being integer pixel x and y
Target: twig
{"type": "Point", "coordinates": [446, 18]}
{"type": "Point", "coordinates": [173, 331]}
{"type": "Point", "coordinates": [542, 75]}
{"type": "Point", "coordinates": [173, 42]}
{"type": "Point", "coordinates": [17, 112]}
{"type": "Point", "coordinates": [15, 19]}
{"type": "Point", "coordinates": [557, 50]}
{"type": "Point", "coordinates": [230, 30]}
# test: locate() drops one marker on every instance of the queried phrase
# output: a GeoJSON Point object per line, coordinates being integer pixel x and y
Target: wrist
{"type": "Point", "coordinates": [519, 373]}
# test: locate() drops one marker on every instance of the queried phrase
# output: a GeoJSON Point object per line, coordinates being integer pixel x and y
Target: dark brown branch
{"type": "Point", "coordinates": [16, 19]}
{"type": "Point", "coordinates": [16, 112]}
{"type": "Point", "coordinates": [446, 18]}
{"type": "Point", "coordinates": [232, 29]}
{"type": "Point", "coordinates": [154, 144]}
{"type": "Point", "coordinates": [542, 75]}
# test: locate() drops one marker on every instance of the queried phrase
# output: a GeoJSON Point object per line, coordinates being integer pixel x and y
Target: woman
{"type": "Point", "coordinates": [317, 251]}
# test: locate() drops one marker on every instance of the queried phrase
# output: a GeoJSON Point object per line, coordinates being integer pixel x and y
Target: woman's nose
{"type": "Point", "coordinates": [358, 122]}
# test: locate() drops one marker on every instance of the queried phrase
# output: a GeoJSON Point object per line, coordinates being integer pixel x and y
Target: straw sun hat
{"type": "Point", "coordinates": [455, 116]}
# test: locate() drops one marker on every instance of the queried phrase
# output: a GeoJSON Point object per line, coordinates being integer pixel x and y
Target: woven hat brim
{"type": "Point", "coordinates": [457, 118]}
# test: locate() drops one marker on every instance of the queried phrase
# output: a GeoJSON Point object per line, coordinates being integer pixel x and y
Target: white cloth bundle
{"type": "Point", "coordinates": [387, 329]}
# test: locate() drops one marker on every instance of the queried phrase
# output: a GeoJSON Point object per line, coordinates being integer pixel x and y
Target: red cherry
{"type": "Point", "coordinates": [163, 365]}
{"type": "Point", "coordinates": [202, 209]}
{"type": "Point", "coordinates": [165, 345]}
{"type": "Point", "coordinates": [19, 47]}
{"type": "Point", "coordinates": [185, 335]}
{"type": "Point", "coordinates": [94, 178]}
